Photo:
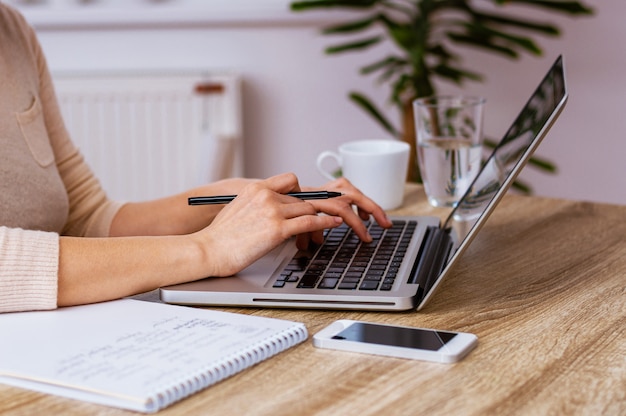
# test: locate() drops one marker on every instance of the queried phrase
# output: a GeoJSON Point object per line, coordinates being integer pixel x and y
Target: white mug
{"type": "Point", "coordinates": [377, 167]}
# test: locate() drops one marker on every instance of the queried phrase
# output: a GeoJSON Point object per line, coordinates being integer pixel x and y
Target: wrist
{"type": "Point", "coordinates": [201, 252]}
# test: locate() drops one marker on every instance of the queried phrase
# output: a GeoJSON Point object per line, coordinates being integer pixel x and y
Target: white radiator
{"type": "Point", "coordinates": [148, 135]}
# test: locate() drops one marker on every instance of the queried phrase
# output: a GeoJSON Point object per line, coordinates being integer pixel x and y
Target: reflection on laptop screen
{"type": "Point", "coordinates": [512, 152]}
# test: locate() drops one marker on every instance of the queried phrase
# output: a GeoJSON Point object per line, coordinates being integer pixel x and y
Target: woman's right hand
{"type": "Point", "coordinates": [254, 223]}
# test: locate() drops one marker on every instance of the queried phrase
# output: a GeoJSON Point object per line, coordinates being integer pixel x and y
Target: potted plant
{"type": "Point", "coordinates": [427, 34]}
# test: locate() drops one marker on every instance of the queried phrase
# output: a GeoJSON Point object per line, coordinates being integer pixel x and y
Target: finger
{"type": "Point", "coordinates": [317, 236]}
{"type": "Point", "coordinates": [283, 183]}
{"type": "Point", "coordinates": [293, 207]}
{"type": "Point", "coordinates": [365, 205]}
{"type": "Point", "coordinates": [364, 215]}
{"type": "Point", "coordinates": [310, 224]}
{"type": "Point", "coordinates": [344, 210]}
{"type": "Point", "coordinates": [303, 241]}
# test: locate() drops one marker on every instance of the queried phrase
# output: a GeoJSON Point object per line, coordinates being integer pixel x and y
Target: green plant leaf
{"type": "Point", "coordinates": [546, 29]}
{"type": "Point", "coordinates": [441, 52]}
{"type": "Point", "coordinates": [392, 71]}
{"type": "Point", "coordinates": [489, 143]}
{"type": "Point", "coordinates": [390, 61]}
{"type": "Point", "coordinates": [316, 4]}
{"type": "Point", "coordinates": [522, 187]}
{"type": "Point", "coordinates": [361, 44]}
{"type": "Point", "coordinates": [487, 33]}
{"type": "Point", "coordinates": [543, 164]}
{"type": "Point", "coordinates": [402, 87]}
{"type": "Point", "coordinates": [481, 42]}
{"type": "Point", "coordinates": [571, 7]}
{"type": "Point", "coordinates": [364, 102]}
{"type": "Point", "coordinates": [406, 36]}
{"type": "Point", "coordinates": [454, 74]}
{"type": "Point", "coordinates": [350, 27]}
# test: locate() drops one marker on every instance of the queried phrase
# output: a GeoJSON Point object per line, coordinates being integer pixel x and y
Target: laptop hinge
{"type": "Point", "coordinates": [432, 258]}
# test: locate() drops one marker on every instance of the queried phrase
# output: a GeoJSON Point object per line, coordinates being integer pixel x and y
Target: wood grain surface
{"type": "Point", "coordinates": [543, 287]}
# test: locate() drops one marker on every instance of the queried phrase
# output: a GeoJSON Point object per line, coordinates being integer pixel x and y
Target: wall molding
{"type": "Point", "coordinates": [74, 15]}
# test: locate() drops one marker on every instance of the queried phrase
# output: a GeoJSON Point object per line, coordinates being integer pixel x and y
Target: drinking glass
{"type": "Point", "coordinates": [449, 143]}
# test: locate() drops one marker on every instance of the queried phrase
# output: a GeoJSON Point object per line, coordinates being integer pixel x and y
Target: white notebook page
{"type": "Point", "coordinates": [134, 354]}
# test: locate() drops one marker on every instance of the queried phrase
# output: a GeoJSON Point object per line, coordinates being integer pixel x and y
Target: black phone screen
{"type": "Point", "coordinates": [395, 336]}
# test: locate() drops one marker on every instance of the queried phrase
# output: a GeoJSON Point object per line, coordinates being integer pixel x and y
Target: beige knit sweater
{"type": "Point", "coordinates": [46, 189]}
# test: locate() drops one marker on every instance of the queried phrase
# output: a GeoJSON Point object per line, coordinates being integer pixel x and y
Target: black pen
{"type": "Point", "coordinates": [225, 199]}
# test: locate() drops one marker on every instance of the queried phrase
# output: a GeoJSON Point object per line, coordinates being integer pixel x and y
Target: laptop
{"type": "Point", "coordinates": [404, 265]}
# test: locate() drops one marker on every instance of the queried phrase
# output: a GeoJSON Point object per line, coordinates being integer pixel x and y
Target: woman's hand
{"type": "Point", "coordinates": [344, 205]}
{"type": "Point", "coordinates": [258, 220]}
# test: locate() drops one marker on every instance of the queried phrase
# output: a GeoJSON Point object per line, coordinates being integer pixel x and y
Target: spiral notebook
{"type": "Point", "coordinates": [132, 354]}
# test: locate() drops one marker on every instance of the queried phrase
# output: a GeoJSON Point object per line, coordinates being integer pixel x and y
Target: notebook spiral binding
{"type": "Point", "coordinates": [227, 367]}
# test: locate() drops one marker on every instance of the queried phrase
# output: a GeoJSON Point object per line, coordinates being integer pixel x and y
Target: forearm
{"type": "Point", "coordinates": [172, 215]}
{"type": "Point", "coordinates": [167, 216]}
{"type": "Point", "coordinates": [94, 270]}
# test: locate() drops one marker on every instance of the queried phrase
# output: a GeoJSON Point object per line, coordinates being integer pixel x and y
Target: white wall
{"type": "Point", "coordinates": [295, 101]}
{"type": "Point", "coordinates": [588, 141]}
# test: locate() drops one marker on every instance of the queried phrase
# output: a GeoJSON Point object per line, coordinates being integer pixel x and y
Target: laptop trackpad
{"type": "Point", "coordinates": [259, 271]}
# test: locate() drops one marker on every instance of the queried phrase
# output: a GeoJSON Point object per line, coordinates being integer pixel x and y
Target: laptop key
{"type": "Point", "coordinates": [369, 285]}
{"type": "Point", "coordinates": [308, 281]}
{"type": "Point", "coordinates": [328, 283]}
{"type": "Point", "coordinates": [348, 285]}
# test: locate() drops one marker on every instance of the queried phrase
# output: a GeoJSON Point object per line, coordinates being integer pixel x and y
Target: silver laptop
{"type": "Point", "coordinates": [404, 265]}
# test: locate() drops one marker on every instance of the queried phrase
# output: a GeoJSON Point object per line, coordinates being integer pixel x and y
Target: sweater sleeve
{"type": "Point", "coordinates": [91, 210]}
{"type": "Point", "coordinates": [28, 274]}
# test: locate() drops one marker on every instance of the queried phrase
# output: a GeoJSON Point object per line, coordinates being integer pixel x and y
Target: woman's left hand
{"type": "Point", "coordinates": [344, 206]}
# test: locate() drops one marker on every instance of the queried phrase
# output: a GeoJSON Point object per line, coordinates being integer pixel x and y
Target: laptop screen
{"type": "Point", "coordinates": [514, 149]}
{"type": "Point", "coordinates": [505, 162]}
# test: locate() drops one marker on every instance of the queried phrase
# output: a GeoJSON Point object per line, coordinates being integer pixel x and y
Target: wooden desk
{"type": "Point", "coordinates": [543, 286]}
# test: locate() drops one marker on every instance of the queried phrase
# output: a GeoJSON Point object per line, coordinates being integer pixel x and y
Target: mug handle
{"type": "Point", "coordinates": [320, 159]}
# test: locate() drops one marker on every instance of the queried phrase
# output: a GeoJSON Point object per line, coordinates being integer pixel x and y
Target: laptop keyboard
{"type": "Point", "coordinates": [344, 262]}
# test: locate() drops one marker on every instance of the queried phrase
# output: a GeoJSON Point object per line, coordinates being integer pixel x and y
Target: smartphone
{"type": "Point", "coordinates": [396, 341]}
